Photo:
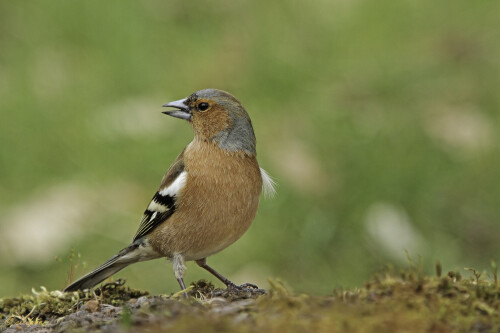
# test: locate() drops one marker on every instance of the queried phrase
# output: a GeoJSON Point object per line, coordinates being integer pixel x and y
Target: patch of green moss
{"type": "Point", "coordinates": [43, 305]}
{"type": "Point", "coordinates": [392, 301]}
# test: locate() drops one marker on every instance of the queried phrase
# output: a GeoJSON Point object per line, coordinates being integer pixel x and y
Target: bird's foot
{"type": "Point", "coordinates": [246, 290]}
{"type": "Point", "coordinates": [243, 287]}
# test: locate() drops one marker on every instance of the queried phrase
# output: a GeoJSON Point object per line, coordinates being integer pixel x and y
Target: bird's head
{"type": "Point", "coordinates": [217, 116]}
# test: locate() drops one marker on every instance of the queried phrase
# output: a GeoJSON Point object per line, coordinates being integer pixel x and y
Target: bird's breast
{"type": "Point", "coordinates": [217, 204]}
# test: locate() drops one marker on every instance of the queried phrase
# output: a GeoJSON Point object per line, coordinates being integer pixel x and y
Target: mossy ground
{"type": "Point", "coordinates": [390, 302]}
{"type": "Point", "coordinates": [379, 119]}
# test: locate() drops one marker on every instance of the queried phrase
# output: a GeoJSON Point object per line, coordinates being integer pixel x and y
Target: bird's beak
{"type": "Point", "coordinates": [182, 110]}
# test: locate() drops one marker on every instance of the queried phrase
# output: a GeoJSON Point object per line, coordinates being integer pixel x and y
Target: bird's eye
{"type": "Point", "coordinates": [203, 106]}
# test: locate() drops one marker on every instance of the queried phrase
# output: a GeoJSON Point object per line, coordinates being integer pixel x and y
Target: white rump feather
{"type": "Point", "coordinates": [268, 184]}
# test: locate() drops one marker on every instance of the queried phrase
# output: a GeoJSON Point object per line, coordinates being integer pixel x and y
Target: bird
{"type": "Point", "coordinates": [208, 197]}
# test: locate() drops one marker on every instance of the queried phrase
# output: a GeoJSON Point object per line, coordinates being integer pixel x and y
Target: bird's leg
{"type": "Point", "coordinates": [179, 269]}
{"type": "Point", "coordinates": [203, 264]}
{"type": "Point", "coordinates": [181, 283]}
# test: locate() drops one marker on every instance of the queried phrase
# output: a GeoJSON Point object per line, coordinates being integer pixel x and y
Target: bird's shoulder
{"type": "Point", "coordinates": [174, 171]}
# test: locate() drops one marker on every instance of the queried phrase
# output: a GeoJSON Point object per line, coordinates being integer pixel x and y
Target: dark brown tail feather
{"type": "Point", "coordinates": [118, 262]}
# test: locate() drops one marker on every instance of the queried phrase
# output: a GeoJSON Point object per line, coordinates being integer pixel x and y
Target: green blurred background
{"type": "Point", "coordinates": [378, 119]}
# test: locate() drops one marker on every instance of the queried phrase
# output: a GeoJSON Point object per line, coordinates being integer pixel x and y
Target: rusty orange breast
{"type": "Point", "coordinates": [216, 206]}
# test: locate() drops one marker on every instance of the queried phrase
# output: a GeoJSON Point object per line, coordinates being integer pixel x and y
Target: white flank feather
{"type": "Point", "coordinates": [179, 266]}
{"type": "Point", "coordinates": [268, 184]}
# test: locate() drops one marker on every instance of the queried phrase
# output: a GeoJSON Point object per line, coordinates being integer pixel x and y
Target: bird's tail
{"type": "Point", "coordinates": [140, 250]}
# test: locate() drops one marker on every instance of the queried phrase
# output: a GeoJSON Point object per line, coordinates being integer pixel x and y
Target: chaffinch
{"type": "Point", "coordinates": [208, 197]}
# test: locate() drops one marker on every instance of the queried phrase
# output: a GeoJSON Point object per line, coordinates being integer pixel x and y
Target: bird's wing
{"type": "Point", "coordinates": [163, 204]}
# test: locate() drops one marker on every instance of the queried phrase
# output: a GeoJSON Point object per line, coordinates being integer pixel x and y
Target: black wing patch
{"type": "Point", "coordinates": [164, 200]}
{"type": "Point", "coordinates": [160, 209]}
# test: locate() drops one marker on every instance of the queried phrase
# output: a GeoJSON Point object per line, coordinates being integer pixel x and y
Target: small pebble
{"type": "Point", "coordinates": [142, 300]}
{"type": "Point", "coordinates": [93, 306]}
